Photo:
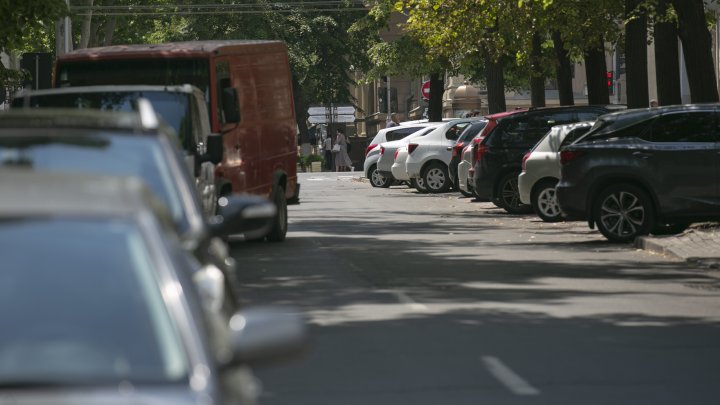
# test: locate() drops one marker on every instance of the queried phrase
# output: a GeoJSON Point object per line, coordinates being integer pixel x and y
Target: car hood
{"type": "Point", "coordinates": [102, 396]}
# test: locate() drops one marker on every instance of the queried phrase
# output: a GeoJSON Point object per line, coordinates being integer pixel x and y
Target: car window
{"type": "Point", "coordinates": [698, 126]}
{"type": "Point", "coordinates": [472, 131]}
{"type": "Point", "coordinates": [454, 131]}
{"type": "Point", "coordinates": [588, 115]}
{"type": "Point", "coordinates": [574, 134]}
{"type": "Point", "coordinates": [522, 132]}
{"type": "Point", "coordinates": [401, 133]}
{"type": "Point", "coordinates": [87, 309]}
{"type": "Point", "coordinates": [103, 154]}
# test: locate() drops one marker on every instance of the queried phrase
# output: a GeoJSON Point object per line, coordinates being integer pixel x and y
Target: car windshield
{"type": "Point", "coordinates": [98, 153]}
{"type": "Point", "coordinates": [172, 107]}
{"type": "Point", "coordinates": [84, 307]}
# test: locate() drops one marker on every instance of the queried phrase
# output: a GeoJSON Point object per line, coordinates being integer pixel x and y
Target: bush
{"type": "Point", "coordinates": [306, 160]}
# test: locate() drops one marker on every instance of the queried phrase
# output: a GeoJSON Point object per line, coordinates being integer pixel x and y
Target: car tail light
{"type": "Point", "coordinates": [397, 152]}
{"type": "Point", "coordinates": [478, 152]}
{"type": "Point", "coordinates": [382, 150]}
{"type": "Point", "coordinates": [568, 155]}
{"type": "Point", "coordinates": [411, 148]}
{"type": "Point", "coordinates": [457, 149]}
{"type": "Point", "coordinates": [369, 148]}
{"type": "Point", "coordinates": [525, 158]}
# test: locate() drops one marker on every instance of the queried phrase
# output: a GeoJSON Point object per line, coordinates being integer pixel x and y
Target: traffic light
{"type": "Point", "coordinates": [610, 76]}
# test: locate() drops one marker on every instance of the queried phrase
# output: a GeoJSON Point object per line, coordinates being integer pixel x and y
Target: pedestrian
{"type": "Point", "coordinates": [327, 149]}
{"type": "Point", "coordinates": [342, 159]}
{"type": "Point", "coordinates": [393, 121]}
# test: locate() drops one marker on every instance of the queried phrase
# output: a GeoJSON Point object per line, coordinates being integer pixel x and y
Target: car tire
{"type": "Point", "coordinates": [544, 201]}
{"type": "Point", "coordinates": [377, 179]}
{"type": "Point", "coordinates": [508, 196]}
{"type": "Point", "coordinates": [435, 178]}
{"type": "Point", "coordinates": [623, 212]}
{"type": "Point", "coordinates": [280, 225]}
{"type": "Point", "coordinates": [669, 229]}
{"type": "Point", "coordinates": [419, 185]}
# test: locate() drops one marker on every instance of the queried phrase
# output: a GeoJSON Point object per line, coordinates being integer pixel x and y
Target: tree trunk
{"type": "Point", "coordinates": [437, 88]}
{"type": "Point", "coordinates": [86, 26]}
{"type": "Point", "coordinates": [109, 31]}
{"type": "Point", "coordinates": [697, 49]}
{"type": "Point", "coordinates": [596, 70]}
{"type": "Point", "coordinates": [563, 70]}
{"type": "Point", "coordinates": [636, 70]}
{"type": "Point", "coordinates": [495, 82]}
{"type": "Point", "coordinates": [301, 111]}
{"type": "Point", "coordinates": [667, 65]}
{"type": "Point", "coordinates": [537, 76]}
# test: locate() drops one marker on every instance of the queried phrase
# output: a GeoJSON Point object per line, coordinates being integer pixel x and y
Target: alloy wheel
{"type": "Point", "coordinates": [622, 214]}
{"type": "Point", "coordinates": [547, 203]}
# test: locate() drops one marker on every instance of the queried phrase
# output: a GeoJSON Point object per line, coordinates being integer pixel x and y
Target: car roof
{"type": "Point", "coordinates": [31, 193]}
{"type": "Point", "coordinates": [184, 88]}
{"type": "Point", "coordinates": [56, 118]}
{"type": "Point", "coordinates": [504, 114]}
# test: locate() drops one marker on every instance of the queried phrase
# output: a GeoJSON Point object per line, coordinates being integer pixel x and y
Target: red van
{"type": "Point", "coordinates": [248, 92]}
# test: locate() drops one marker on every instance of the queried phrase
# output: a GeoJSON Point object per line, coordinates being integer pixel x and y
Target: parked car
{"type": "Point", "coordinates": [124, 144]}
{"type": "Point", "coordinates": [465, 167]}
{"type": "Point", "coordinates": [372, 153]}
{"type": "Point", "coordinates": [398, 170]}
{"type": "Point", "coordinates": [429, 156]}
{"type": "Point", "coordinates": [248, 94]}
{"type": "Point", "coordinates": [498, 157]}
{"type": "Point", "coordinates": [387, 151]}
{"type": "Point", "coordinates": [541, 170]}
{"type": "Point", "coordinates": [98, 293]}
{"type": "Point", "coordinates": [181, 107]}
{"type": "Point", "coordinates": [468, 134]}
{"type": "Point", "coordinates": [644, 171]}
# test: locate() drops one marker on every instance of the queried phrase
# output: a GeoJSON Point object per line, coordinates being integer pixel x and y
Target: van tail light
{"type": "Point", "coordinates": [411, 148]}
{"type": "Point", "coordinates": [397, 152]}
{"type": "Point", "coordinates": [369, 148]}
{"type": "Point", "coordinates": [524, 159]}
{"type": "Point", "coordinates": [567, 156]}
{"type": "Point", "coordinates": [382, 150]}
{"type": "Point", "coordinates": [479, 151]}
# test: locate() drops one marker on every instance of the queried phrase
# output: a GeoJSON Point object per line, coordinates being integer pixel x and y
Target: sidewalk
{"type": "Point", "coordinates": [699, 244]}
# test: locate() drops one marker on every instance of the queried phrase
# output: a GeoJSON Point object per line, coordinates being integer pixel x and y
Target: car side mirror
{"type": "Point", "coordinates": [213, 149]}
{"type": "Point", "coordinates": [231, 105]}
{"type": "Point", "coordinates": [265, 335]}
{"type": "Point", "coordinates": [239, 214]}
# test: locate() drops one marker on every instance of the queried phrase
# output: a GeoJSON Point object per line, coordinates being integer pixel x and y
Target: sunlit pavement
{"type": "Point", "coordinates": [436, 299]}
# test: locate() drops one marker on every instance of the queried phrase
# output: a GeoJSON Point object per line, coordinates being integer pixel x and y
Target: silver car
{"type": "Point", "coordinates": [541, 170]}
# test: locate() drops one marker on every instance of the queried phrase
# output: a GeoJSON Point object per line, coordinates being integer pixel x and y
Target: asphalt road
{"type": "Point", "coordinates": [436, 299]}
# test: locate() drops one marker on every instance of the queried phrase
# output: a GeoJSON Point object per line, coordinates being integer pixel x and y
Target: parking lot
{"type": "Point", "coordinates": [426, 299]}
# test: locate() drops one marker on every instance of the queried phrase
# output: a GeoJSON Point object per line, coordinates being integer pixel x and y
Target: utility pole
{"type": "Point", "coordinates": [63, 34]}
{"type": "Point", "coordinates": [388, 100]}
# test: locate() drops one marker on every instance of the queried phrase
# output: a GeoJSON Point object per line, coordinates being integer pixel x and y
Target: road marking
{"type": "Point", "coordinates": [405, 299]}
{"type": "Point", "coordinates": [509, 378]}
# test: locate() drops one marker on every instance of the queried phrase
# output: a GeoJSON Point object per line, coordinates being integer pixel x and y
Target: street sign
{"type": "Point", "coordinates": [426, 90]}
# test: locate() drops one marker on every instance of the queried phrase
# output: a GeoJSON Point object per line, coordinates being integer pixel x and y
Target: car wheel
{"type": "Point", "coordinates": [279, 229]}
{"type": "Point", "coordinates": [669, 229]}
{"type": "Point", "coordinates": [622, 212]}
{"type": "Point", "coordinates": [544, 201]}
{"type": "Point", "coordinates": [436, 178]}
{"type": "Point", "coordinates": [419, 185]}
{"type": "Point", "coordinates": [508, 197]}
{"type": "Point", "coordinates": [377, 179]}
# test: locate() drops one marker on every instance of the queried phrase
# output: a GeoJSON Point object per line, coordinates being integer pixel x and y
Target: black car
{"type": "Point", "coordinates": [466, 136]}
{"type": "Point", "coordinates": [98, 304]}
{"type": "Point", "coordinates": [498, 157]}
{"type": "Point", "coordinates": [644, 171]}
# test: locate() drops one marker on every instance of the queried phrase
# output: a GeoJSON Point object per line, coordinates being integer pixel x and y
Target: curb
{"type": "Point", "coordinates": [652, 245]}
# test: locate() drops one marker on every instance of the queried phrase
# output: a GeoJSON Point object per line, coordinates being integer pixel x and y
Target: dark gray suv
{"type": "Point", "coordinates": [644, 171]}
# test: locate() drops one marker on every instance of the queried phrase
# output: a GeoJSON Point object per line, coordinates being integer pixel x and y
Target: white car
{"type": "Point", "coordinates": [429, 156]}
{"type": "Point", "coordinates": [387, 149]}
{"type": "Point", "coordinates": [372, 153]}
{"type": "Point", "coordinates": [541, 170]}
{"type": "Point", "coordinates": [464, 169]}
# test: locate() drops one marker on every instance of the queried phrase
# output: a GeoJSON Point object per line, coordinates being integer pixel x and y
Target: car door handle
{"type": "Point", "coordinates": [449, 148]}
{"type": "Point", "coordinates": [642, 155]}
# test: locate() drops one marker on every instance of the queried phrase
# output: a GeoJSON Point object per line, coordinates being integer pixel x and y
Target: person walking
{"type": "Point", "coordinates": [342, 159]}
{"type": "Point", "coordinates": [327, 149]}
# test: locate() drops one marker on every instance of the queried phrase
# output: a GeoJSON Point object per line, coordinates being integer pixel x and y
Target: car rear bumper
{"type": "Point", "coordinates": [525, 184]}
{"type": "Point", "coordinates": [398, 171]}
{"type": "Point", "coordinates": [483, 186]}
{"type": "Point", "coordinates": [463, 169]}
{"type": "Point", "coordinates": [412, 169]}
{"type": "Point", "coordinates": [572, 202]}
